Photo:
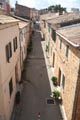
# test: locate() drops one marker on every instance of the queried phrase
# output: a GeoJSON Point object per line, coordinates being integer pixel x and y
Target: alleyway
{"type": "Point", "coordinates": [36, 89]}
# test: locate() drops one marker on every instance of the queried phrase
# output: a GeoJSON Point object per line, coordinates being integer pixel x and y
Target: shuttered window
{"type": "Point", "coordinates": [67, 51]}
{"type": "Point", "coordinates": [10, 87]}
{"type": "Point", "coordinates": [63, 81]}
{"type": "Point", "coordinates": [48, 27]}
{"type": "Point", "coordinates": [60, 43]}
{"type": "Point", "coordinates": [8, 51]}
{"type": "Point", "coordinates": [53, 35]}
{"type": "Point", "coordinates": [15, 43]}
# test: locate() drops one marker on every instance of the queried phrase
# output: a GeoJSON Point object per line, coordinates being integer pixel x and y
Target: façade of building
{"type": "Point", "coordinates": [4, 7]}
{"type": "Point", "coordinates": [10, 72]}
{"type": "Point", "coordinates": [26, 12]}
{"type": "Point", "coordinates": [63, 40]}
{"type": "Point", "coordinates": [15, 33]}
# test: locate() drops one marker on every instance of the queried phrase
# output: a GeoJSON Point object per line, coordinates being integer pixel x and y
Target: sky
{"type": "Point", "coordinates": [40, 4]}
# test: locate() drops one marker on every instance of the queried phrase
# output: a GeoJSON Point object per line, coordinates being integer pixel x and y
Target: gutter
{"type": "Point", "coordinates": [73, 44]}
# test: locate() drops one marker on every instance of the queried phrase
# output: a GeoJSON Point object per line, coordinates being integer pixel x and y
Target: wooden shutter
{"type": "Point", "coordinates": [7, 53]}
{"type": "Point", "coordinates": [10, 50]}
{"type": "Point", "coordinates": [16, 42]}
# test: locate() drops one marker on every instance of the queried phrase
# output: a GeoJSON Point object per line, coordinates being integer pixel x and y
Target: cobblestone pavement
{"type": "Point", "coordinates": [36, 87]}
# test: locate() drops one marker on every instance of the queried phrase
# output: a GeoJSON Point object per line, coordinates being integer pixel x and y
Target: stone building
{"type": "Point", "coordinates": [62, 38]}
{"type": "Point", "coordinates": [10, 72]}
{"type": "Point", "coordinates": [56, 21]}
{"type": "Point", "coordinates": [22, 11]}
{"type": "Point", "coordinates": [24, 36]}
{"type": "Point", "coordinates": [5, 5]}
{"type": "Point", "coordinates": [26, 12]}
{"type": "Point", "coordinates": [43, 23]}
{"type": "Point", "coordinates": [34, 14]}
{"type": "Point", "coordinates": [66, 62]}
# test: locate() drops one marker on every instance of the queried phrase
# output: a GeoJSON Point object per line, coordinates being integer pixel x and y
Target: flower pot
{"type": "Point", "coordinates": [55, 83]}
{"type": "Point", "coordinates": [54, 80]}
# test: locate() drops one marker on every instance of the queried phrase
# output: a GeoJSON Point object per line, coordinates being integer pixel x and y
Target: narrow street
{"type": "Point", "coordinates": [36, 87]}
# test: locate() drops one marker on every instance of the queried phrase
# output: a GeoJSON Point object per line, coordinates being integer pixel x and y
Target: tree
{"type": "Point", "coordinates": [51, 7]}
{"type": "Point", "coordinates": [57, 8]}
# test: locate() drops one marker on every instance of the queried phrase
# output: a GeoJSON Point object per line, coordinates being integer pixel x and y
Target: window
{"type": "Point", "coordinates": [60, 43]}
{"type": "Point", "coordinates": [44, 24]}
{"type": "Point", "coordinates": [63, 81]}
{"type": "Point", "coordinates": [53, 35]}
{"type": "Point", "coordinates": [8, 51]}
{"type": "Point", "coordinates": [10, 87]}
{"type": "Point", "coordinates": [15, 43]}
{"type": "Point", "coordinates": [53, 59]}
{"type": "Point", "coordinates": [67, 51]}
{"type": "Point", "coordinates": [59, 77]}
{"type": "Point", "coordinates": [48, 27]}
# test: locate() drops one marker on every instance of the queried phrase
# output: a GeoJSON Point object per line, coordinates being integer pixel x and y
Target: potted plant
{"type": "Point", "coordinates": [57, 96]}
{"type": "Point", "coordinates": [54, 80]}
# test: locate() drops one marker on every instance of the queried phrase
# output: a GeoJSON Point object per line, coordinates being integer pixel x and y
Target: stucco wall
{"type": "Point", "coordinates": [25, 34]}
{"type": "Point", "coordinates": [7, 69]}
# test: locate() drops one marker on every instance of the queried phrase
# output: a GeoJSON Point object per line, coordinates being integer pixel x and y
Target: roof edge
{"type": "Point", "coordinates": [73, 44]}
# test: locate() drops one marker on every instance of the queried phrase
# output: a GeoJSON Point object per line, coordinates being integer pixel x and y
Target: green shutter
{"type": "Point", "coordinates": [48, 27]}
{"type": "Point", "coordinates": [54, 35]}
{"type": "Point", "coordinates": [60, 44]}
{"type": "Point", "coordinates": [63, 81]}
{"type": "Point", "coordinates": [67, 51]}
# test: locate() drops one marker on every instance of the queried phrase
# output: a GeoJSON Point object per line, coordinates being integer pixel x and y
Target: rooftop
{"type": "Point", "coordinates": [71, 33]}
{"type": "Point", "coordinates": [20, 18]}
{"type": "Point", "coordinates": [22, 24]}
{"type": "Point", "coordinates": [49, 16]}
{"type": "Point", "coordinates": [7, 19]}
{"type": "Point", "coordinates": [65, 18]}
